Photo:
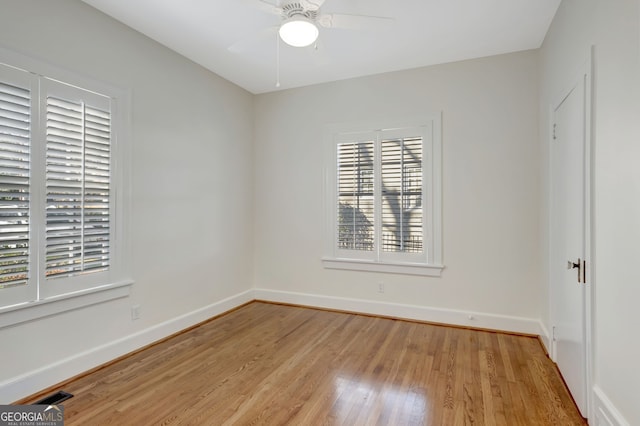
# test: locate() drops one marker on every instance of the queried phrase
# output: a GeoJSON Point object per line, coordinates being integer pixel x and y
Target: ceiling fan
{"type": "Point", "coordinates": [301, 20]}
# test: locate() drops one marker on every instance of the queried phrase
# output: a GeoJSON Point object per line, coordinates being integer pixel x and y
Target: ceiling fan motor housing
{"type": "Point", "coordinates": [291, 9]}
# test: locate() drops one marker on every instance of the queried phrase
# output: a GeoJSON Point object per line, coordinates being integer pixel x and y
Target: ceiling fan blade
{"type": "Point", "coordinates": [269, 7]}
{"type": "Point", "coordinates": [312, 4]}
{"type": "Point", "coordinates": [354, 22]}
{"type": "Point", "coordinates": [245, 43]}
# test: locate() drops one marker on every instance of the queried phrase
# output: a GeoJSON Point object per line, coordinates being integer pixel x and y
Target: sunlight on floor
{"type": "Point", "coordinates": [382, 400]}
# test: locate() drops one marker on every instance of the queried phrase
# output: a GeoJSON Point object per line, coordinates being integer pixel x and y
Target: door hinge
{"type": "Point", "coordinates": [553, 333]}
{"type": "Point", "coordinates": [554, 131]}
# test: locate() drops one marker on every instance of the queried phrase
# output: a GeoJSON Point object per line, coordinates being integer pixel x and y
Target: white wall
{"type": "Point", "coordinates": [191, 228]}
{"type": "Point", "coordinates": [491, 190]}
{"type": "Point", "coordinates": [614, 28]}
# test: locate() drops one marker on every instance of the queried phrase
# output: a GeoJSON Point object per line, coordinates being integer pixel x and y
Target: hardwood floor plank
{"type": "Point", "coordinates": [267, 364]}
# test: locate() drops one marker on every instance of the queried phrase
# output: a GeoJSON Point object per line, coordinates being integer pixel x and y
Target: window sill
{"type": "Point", "coordinates": [23, 312]}
{"type": "Point", "coordinates": [390, 268]}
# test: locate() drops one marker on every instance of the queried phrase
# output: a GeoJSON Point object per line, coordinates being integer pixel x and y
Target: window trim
{"type": "Point", "coordinates": [118, 280]}
{"type": "Point", "coordinates": [429, 265]}
{"type": "Point", "coordinates": [29, 311]}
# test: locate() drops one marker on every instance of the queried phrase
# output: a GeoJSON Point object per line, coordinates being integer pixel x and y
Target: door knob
{"type": "Point", "coordinates": [571, 265]}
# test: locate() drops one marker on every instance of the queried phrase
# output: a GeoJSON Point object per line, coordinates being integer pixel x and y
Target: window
{"type": "Point", "coordinates": [383, 199]}
{"type": "Point", "coordinates": [60, 231]}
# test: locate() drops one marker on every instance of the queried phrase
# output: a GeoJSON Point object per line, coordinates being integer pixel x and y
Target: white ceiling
{"type": "Point", "coordinates": [423, 32]}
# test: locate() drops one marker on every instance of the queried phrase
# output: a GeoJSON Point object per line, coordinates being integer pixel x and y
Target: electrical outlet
{"type": "Point", "coordinates": [135, 312]}
{"type": "Point", "coordinates": [380, 287]}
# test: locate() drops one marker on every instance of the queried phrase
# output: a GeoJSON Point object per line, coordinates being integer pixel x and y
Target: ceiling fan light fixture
{"type": "Point", "coordinates": [298, 31]}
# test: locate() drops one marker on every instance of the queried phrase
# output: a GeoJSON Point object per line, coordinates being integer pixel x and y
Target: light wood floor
{"type": "Point", "coordinates": [266, 364]}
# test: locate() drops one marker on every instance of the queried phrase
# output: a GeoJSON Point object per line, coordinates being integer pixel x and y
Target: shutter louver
{"type": "Point", "coordinates": [97, 227]}
{"type": "Point", "coordinates": [401, 163]}
{"type": "Point", "coordinates": [78, 188]}
{"type": "Point", "coordinates": [355, 196]}
{"type": "Point", "coordinates": [15, 139]}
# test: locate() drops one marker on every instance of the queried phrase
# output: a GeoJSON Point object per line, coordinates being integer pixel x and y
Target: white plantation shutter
{"type": "Point", "coordinates": [78, 185]}
{"type": "Point", "coordinates": [380, 193]}
{"type": "Point", "coordinates": [15, 162]}
{"type": "Point", "coordinates": [355, 207]}
{"type": "Point", "coordinates": [402, 211]}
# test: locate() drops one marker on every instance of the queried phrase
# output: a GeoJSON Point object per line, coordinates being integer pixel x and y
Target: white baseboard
{"type": "Point", "coordinates": [604, 412]}
{"type": "Point", "coordinates": [42, 378]}
{"type": "Point", "coordinates": [411, 312]}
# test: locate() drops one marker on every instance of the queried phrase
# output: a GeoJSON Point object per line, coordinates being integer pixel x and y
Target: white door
{"type": "Point", "coordinates": [568, 243]}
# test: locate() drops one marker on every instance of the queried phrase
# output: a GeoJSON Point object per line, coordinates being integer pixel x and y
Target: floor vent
{"type": "Point", "coordinates": [54, 399]}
